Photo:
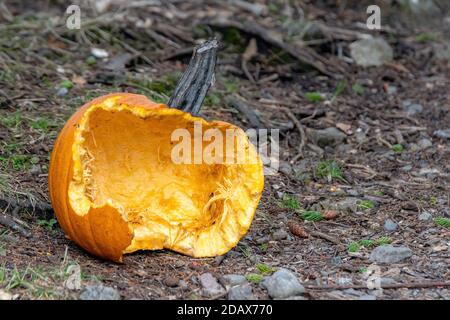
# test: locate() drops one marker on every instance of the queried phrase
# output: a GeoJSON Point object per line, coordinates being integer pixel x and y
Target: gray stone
{"type": "Point", "coordinates": [406, 168]}
{"type": "Point", "coordinates": [241, 292]}
{"type": "Point", "coordinates": [210, 285]}
{"type": "Point", "coordinates": [390, 254]}
{"type": "Point", "coordinates": [280, 234]}
{"type": "Point", "coordinates": [444, 134]}
{"type": "Point", "coordinates": [99, 292]}
{"type": "Point", "coordinates": [424, 143]}
{"type": "Point", "coordinates": [390, 225]}
{"type": "Point", "coordinates": [412, 108]}
{"type": "Point", "coordinates": [371, 52]}
{"type": "Point", "coordinates": [285, 168]}
{"type": "Point", "coordinates": [62, 92]}
{"type": "Point", "coordinates": [327, 137]}
{"type": "Point", "coordinates": [424, 216]}
{"type": "Point", "coordinates": [387, 281]}
{"type": "Point", "coordinates": [233, 280]}
{"type": "Point", "coordinates": [282, 284]}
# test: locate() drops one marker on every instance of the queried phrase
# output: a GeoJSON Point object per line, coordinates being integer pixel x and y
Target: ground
{"type": "Point", "coordinates": [384, 161]}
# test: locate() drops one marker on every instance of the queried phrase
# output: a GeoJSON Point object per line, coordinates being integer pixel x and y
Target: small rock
{"type": "Point", "coordinates": [62, 92]}
{"type": "Point", "coordinates": [390, 254]}
{"type": "Point", "coordinates": [371, 52]}
{"type": "Point", "coordinates": [99, 292]}
{"type": "Point", "coordinates": [390, 225]}
{"type": "Point", "coordinates": [171, 281]}
{"type": "Point", "coordinates": [406, 168]}
{"type": "Point", "coordinates": [99, 53]}
{"type": "Point", "coordinates": [282, 284]}
{"type": "Point", "coordinates": [412, 108]}
{"type": "Point", "coordinates": [35, 169]}
{"type": "Point", "coordinates": [327, 137]}
{"type": "Point", "coordinates": [241, 292]}
{"type": "Point", "coordinates": [233, 280]}
{"type": "Point", "coordinates": [444, 134]}
{"type": "Point", "coordinates": [387, 281]}
{"type": "Point", "coordinates": [262, 240]}
{"type": "Point", "coordinates": [424, 216]}
{"type": "Point", "coordinates": [285, 168]}
{"type": "Point", "coordinates": [211, 286]}
{"type": "Point", "coordinates": [424, 143]}
{"type": "Point", "coordinates": [280, 234]}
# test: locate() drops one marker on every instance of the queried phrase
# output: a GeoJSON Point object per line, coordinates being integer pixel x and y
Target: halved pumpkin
{"type": "Point", "coordinates": [115, 188]}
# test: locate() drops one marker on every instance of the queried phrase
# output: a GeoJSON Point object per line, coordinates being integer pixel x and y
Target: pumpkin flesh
{"type": "Point", "coordinates": [124, 193]}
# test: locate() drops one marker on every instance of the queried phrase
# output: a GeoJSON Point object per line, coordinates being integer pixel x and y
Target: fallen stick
{"type": "Point", "coordinates": [302, 53]}
{"type": "Point", "coordinates": [385, 286]}
{"type": "Point", "coordinates": [9, 222]}
{"type": "Point", "coordinates": [324, 236]}
{"type": "Point", "coordinates": [43, 209]}
{"type": "Point", "coordinates": [300, 129]}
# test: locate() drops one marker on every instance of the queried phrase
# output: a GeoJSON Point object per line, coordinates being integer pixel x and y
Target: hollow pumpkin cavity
{"type": "Point", "coordinates": [123, 158]}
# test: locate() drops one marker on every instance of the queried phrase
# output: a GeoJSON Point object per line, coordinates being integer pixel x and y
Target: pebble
{"type": "Point", "coordinates": [233, 280]}
{"type": "Point", "coordinates": [99, 292]}
{"type": "Point", "coordinates": [444, 134]}
{"type": "Point", "coordinates": [390, 254]}
{"type": "Point", "coordinates": [371, 52]}
{"type": "Point", "coordinates": [99, 53]}
{"type": "Point", "coordinates": [390, 225]}
{"type": "Point", "coordinates": [280, 234]}
{"type": "Point", "coordinates": [424, 216]}
{"type": "Point", "coordinates": [62, 92]}
{"type": "Point", "coordinates": [412, 108]}
{"type": "Point", "coordinates": [327, 137]}
{"type": "Point", "coordinates": [210, 285]}
{"type": "Point", "coordinates": [241, 292]}
{"type": "Point", "coordinates": [171, 281]}
{"type": "Point", "coordinates": [282, 284]}
{"type": "Point", "coordinates": [285, 168]}
{"type": "Point", "coordinates": [424, 143]}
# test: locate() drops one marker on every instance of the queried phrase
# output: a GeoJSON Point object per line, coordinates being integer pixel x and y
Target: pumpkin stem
{"type": "Point", "coordinates": [193, 86]}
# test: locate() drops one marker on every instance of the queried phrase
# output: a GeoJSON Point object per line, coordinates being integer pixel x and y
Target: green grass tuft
{"type": "Point", "coordinates": [254, 277]}
{"type": "Point", "coordinates": [289, 202]}
{"type": "Point", "coordinates": [311, 216]}
{"type": "Point", "coordinates": [329, 170]}
{"type": "Point", "coordinates": [443, 222]}
{"type": "Point", "coordinates": [314, 96]}
{"type": "Point", "coordinates": [366, 205]}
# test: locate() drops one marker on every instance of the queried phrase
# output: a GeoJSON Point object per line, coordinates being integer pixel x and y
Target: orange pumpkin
{"type": "Point", "coordinates": [115, 188]}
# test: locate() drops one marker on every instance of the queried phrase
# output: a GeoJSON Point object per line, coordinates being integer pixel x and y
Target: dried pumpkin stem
{"type": "Point", "coordinates": [193, 86]}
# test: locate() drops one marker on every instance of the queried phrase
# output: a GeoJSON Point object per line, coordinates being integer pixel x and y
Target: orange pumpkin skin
{"type": "Point", "coordinates": [107, 232]}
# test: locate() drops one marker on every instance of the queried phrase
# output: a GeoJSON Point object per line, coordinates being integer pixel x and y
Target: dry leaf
{"type": "Point", "coordinates": [344, 127]}
{"type": "Point", "coordinates": [330, 214]}
{"type": "Point", "coordinates": [297, 230]}
{"type": "Point", "coordinates": [79, 80]}
{"type": "Point", "coordinates": [250, 51]}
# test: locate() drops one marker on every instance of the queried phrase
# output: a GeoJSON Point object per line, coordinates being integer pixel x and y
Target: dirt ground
{"type": "Point", "coordinates": [381, 178]}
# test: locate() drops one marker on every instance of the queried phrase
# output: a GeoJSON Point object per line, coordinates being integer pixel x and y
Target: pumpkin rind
{"type": "Point", "coordinates": [107, 232]}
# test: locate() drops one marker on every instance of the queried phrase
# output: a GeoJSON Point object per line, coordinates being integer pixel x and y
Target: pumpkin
{"type": "Point", "coordinates": [115, 188]}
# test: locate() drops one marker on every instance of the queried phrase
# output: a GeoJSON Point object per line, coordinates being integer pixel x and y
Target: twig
{"type": "Point", "coordinates": [302, 53]}
{"type": "Point", "coordinates": [43, 209]}
{"type": "Point", "coordinates": [9, 222]}
{"type": "Point", "coordinates": [384, 286]}
{"type": "Point", "coordinates": [243, 108]}
{"type": "Point", "coordinates": [300, 130]}
{"type": "Point", "coordinates": [322, 235]}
